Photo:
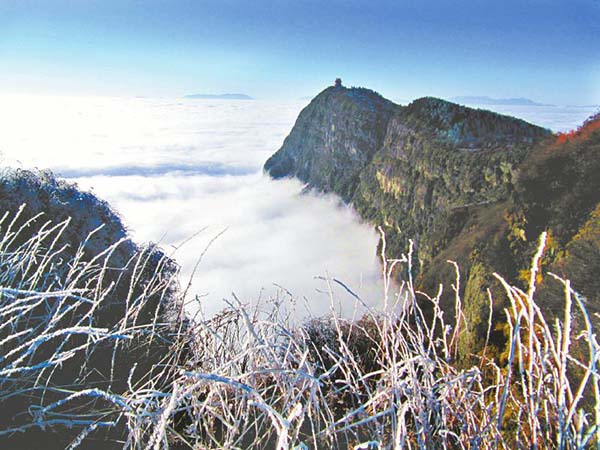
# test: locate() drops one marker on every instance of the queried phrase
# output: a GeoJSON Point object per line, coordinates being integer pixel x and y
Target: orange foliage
{"type": "Point", "coordinates": [583, 132]}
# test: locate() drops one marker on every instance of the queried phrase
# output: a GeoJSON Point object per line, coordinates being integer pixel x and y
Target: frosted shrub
{"type": "Point", "coordinates": [90, 355]}
{"type": "Point", "coordinates": [71, 328]}
{"type": "Point", "coordinates": [388, 380]}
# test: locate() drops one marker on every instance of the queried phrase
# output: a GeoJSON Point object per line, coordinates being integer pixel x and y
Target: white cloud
{"type": "Point", "coordinates": [274, 234]}
{"type": "Point", "coordinates": [173, 167]}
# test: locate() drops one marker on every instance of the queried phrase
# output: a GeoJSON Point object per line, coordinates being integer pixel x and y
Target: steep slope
{"type": "Point", "coordinates": [556, 190]}
{"type": "Point", "coordinates": [333, 139]}
{"type": "Point", "coordinates": [559, 190]}
{"type": "Point", "coordinates": [470, 186]}
{"type": "Point", "coordinates": [438, 160]}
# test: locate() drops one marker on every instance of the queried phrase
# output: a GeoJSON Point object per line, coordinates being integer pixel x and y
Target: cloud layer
{"type": "Point", "coordinates": [174, 168]}
{"type": "Point", "coordinates": [556, 118]}
{"type": "Point", "coordinates": [177, 169]}
{"type": "Point", "coordinates": [273, 235]}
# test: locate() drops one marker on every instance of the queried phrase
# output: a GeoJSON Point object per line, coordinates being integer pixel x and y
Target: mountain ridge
{"type": "Point", "coordinates": [485, 100]}
{"type": "Point", "coordinates": [462, 184]}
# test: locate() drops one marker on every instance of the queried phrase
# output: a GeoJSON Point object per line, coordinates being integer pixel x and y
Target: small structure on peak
{"type": "Point", "coordinates": [338, 83]}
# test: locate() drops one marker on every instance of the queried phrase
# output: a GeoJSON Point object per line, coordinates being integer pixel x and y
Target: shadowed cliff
{"type": "Point", "coordinates": [334, 139]}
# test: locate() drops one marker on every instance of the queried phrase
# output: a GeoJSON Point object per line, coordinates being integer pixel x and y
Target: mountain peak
{"type": "Point", "coordinates": [348, 125]}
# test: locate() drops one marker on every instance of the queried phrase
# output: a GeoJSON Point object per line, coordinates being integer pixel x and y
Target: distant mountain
{"type": "Point", "coordinates": [484, 100]}
{"type": "Point", "coordinates": [219, 96]}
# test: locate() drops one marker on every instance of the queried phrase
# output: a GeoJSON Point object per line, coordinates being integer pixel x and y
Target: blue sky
{"type": "Point", "coordinates": [544, 50]}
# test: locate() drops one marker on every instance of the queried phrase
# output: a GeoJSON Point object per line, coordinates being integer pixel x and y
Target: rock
{"type": "Point", "coordinates": [334, 139]}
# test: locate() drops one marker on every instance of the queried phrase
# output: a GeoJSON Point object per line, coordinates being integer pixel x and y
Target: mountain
{"type": "Point", "coordinates": [334, 138]}
{"type": "Point", "coordinates": [484, 100]}
{"type": "Point", "coordinates": [219, 96]}
{"type": "Point", "coordinates": [462, 184]}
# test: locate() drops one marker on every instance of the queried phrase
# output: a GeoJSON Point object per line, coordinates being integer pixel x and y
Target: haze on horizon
{"type": "Point", "coordinates": [271, 49]}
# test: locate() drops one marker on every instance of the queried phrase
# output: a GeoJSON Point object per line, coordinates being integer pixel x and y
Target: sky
{"type": "Point", "coordinates": [274, 49]}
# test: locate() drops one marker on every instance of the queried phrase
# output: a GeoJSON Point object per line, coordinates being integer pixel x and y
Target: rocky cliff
{"type": "Point", "coordinates": [464, 184]}
{"type": "Point", "coordinates": [334, 139]}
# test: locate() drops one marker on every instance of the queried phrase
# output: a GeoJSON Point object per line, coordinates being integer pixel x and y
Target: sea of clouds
{"type": "Point", "coordinates": [188, 175]}
{"type": "Point", "coordinates": [181, 169]}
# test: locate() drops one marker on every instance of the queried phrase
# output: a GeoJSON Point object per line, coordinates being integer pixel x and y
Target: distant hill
{"type": "Point", "coordinates": [484, 100]}
{"type": "Point", "coordinates": [219, 96]}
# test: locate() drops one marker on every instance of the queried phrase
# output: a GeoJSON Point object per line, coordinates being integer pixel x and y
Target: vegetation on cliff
{"type": "Point", "coordinates": [463, 184]}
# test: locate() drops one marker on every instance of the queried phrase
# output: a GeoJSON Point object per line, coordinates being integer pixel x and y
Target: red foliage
{"type": "Point", "coordinates": [582, 133]}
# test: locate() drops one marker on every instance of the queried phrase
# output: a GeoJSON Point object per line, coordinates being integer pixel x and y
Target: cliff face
{"type": "Point", "coordinates": [334, 139]}
{"type": "Point", "coordinates": [439, 159]}
{"type": "Point", "coordinates": [404, 168]}
{"type": "Point", "coordinates": [467, 185]}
